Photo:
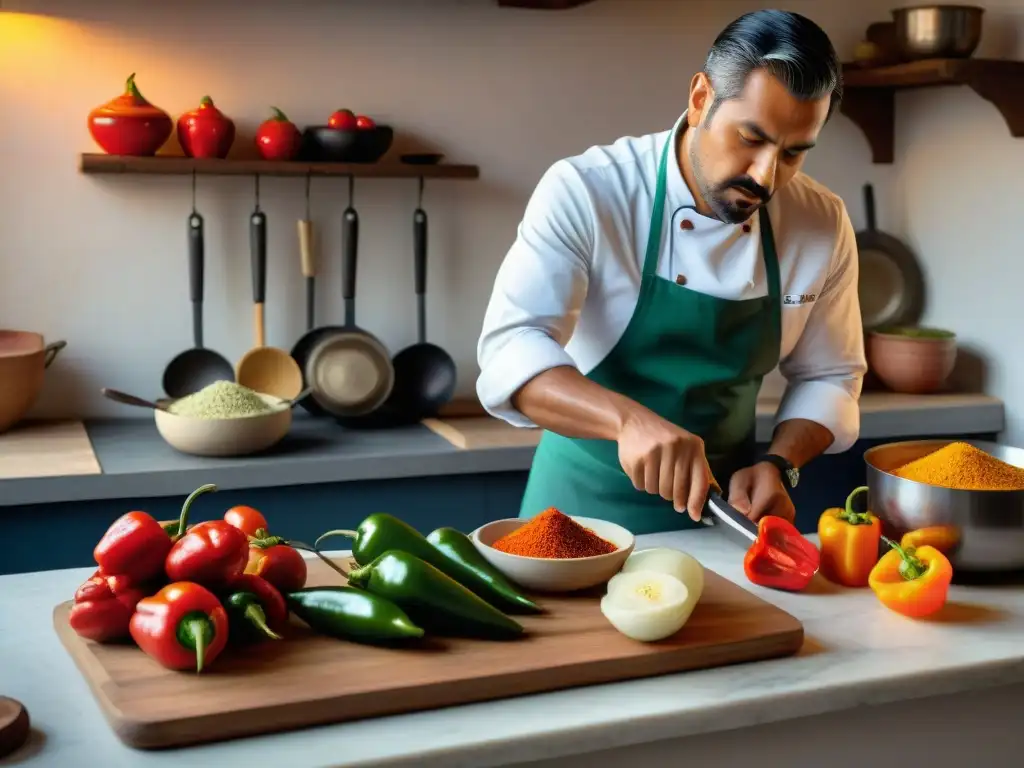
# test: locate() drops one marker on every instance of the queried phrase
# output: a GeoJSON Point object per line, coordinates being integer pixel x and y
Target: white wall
{"type": "Point", "coordinates": [101, 261]}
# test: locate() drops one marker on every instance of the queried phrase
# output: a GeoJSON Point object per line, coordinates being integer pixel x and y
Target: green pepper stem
{"type": "Point", "coordinates": [318, 553]}
{"type": "Point", "coordinates": [912, 567]}
{"type": "Point", "coordinates": [338, 532]}
{"type": "Point", "coordinates": [264, 540]}
{"type": "Point", "coordinates": [195, 631]}
{"type": "Point", "coordinates": [256, 615]}
{"type": "Point", "coordinates": [183, 520]}
{"type": "Point", "coordinates": [279, 115]}
{"type": "Point", "coordinates": [132, 89]}
{"type": "Point", "coordinates": [851, 517]}
{"type": "Point", "coordinates": [206, 100]}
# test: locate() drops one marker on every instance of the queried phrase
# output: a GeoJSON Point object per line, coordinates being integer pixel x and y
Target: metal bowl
{"type": "Point", "coordinates": [990, 524]}
{"type": "Point", "coordinates": [938, 31]}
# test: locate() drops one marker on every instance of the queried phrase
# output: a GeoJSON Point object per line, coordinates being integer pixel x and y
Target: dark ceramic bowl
{"type": "Point", "coordinates": [323, 144]}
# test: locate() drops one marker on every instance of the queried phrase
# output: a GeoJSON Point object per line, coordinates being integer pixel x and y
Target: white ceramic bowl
{"type": "Point", "coordinates": [226, 437]}
{"type": "Point", "coordinates": [544, 574]}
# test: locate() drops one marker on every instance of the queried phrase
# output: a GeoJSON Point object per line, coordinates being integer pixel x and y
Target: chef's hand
{"type": "Point", "coordinates": [758, 491]}
{"type": "Point", "coordinates": [666, 460]}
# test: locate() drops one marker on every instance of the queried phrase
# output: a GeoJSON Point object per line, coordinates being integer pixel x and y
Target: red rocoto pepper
{"type": "Point", "coordinates": [104, 606]}
{"type": "Point", "coordinates": [136, 545]}
{"type": "Point", "coordinates": [256, 609]}
{"type": "Point", "coordinates": [781, 558]}
{"type": "Point", "coordinates": [205, 131]}
{"type": "Point", "coordinates": [278, 138]}
{"type": "Point", "coordinates": [183, 626]}
{"type": "Point", "coordinates": [211, 553]}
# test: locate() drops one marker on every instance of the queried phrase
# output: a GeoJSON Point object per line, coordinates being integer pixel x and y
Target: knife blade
{"type": "Point", "coordinates": [732, 523]}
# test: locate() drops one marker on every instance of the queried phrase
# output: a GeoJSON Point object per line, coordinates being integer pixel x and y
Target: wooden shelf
{"type": "Point", "coordinates": [544, 5]}
{"type": "Point", "coordinates": [869, 97]}
{"type": "Point", "coordinates": [181, 166]}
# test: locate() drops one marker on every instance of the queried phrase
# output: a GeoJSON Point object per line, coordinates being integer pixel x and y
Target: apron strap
{"type": "Point", "coordinates": [657, 214]}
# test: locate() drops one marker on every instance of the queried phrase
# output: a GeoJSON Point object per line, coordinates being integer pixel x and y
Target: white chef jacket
{"type": "Point", "coordinates": [568, 286]}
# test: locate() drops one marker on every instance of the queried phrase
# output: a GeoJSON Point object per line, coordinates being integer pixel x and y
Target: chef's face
{"type": "Point", "coordinates": [752, 145]}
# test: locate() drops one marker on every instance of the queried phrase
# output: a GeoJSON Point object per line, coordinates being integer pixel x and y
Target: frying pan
{"type": "Point", "coordinates": [891, 287]}
{"type": "Point", "coordinates": [308, 340]}
{"type": "Point", "coordinates": [195, 368]}
{"type": "Point", "coordinates": [424, 372]}
{"type": "Point", "coordinates": [349, 368]}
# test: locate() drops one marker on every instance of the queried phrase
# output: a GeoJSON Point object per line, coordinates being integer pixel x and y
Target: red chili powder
{"type": "Point", "coordinates": [553, 535]}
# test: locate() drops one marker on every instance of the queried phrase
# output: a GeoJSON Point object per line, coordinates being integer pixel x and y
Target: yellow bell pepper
{"type": "Point", "coordinates": [913, 582]}
{"type": "Point", "coordinates": [944, 538]}
{"type": "Point", "coordinates": [849, 543]}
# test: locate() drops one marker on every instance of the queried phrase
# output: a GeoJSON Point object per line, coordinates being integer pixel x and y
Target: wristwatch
{"type": "Point", "coordinates": [790, 474]}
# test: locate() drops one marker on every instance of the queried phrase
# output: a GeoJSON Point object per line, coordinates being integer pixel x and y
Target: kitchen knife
{"type": "Point", "coordinates": [729, 520]}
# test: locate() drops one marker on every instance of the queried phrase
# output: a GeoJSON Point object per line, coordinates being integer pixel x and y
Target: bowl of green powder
{"type": "Point", "coordinates": [224, 419]}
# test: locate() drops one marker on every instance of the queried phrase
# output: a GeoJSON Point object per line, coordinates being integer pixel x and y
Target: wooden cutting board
{"type": "Point", "coordinates": [307, 680]}
{"type": "Point", "coordinates": [473, 432]}
{"type": "Point", "coordinates": [47, 449]}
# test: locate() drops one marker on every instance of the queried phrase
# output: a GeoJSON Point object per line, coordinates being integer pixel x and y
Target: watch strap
{"type": "Point", "coordinates": [790, 474]}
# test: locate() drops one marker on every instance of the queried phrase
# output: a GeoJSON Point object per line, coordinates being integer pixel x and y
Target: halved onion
{"type": "Point", "coordinates": [684, 567]}
{"type": "Point", "coordinates": [646, 605]}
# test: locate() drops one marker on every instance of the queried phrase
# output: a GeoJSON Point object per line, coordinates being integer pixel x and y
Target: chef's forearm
{"type": "Point", "coordinates": [566, 402]}
{"type": "Point", "coordinates": [800, 441]}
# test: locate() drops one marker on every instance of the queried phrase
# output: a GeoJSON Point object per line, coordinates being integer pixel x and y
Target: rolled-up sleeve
{"type": "Point", "coordinates": [538, 292]}
{"type": "Point", "coordinates": [825, 370]}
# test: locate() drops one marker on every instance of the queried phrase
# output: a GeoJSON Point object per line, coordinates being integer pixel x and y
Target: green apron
{"type": "Point", "coordinates": [695, 360]}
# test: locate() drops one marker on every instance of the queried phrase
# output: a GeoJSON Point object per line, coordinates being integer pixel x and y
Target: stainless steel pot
{"type": "Point", "coordinates": [990, 523]}
{"type": "Point", "coordinates": [938, 31]}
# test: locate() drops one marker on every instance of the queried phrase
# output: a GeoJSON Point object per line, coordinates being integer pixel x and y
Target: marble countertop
{"type": "Point", "coordinates": [136, 462]}
{"type": "Point", "coordinates": [856, 653]}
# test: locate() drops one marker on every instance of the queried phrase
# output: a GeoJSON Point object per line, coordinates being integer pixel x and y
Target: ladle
{"type": "Point", "coordinates": [195, 368]}
{"type": "Point", "coordinates": [264, 369]}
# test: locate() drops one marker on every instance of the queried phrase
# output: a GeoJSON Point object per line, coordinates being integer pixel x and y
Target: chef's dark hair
{"type": "Point", "coordinates": [789, 46]}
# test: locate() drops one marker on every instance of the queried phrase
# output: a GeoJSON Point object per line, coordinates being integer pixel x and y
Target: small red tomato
{"type": "Point", "coordinates": [246, 519]}
{"type": "Point", "coordinates": [277, 563]}
{"type": "Point", "coordinates": [342, 119]}
{"type": "Point", "coordinates": [364, 123]}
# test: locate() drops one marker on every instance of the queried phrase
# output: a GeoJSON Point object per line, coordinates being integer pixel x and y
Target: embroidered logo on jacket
{"type": "Point", "coordinates": [799, 298]}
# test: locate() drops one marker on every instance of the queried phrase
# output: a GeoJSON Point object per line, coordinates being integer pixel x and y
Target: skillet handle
{"type": "Point", "coordinates": [869, 206]}
{"type": "Point", "coordinates": [349, 245]}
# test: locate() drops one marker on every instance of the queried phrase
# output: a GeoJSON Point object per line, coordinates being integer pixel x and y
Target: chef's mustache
{"type": "Point", "coordinates": [748, 185]}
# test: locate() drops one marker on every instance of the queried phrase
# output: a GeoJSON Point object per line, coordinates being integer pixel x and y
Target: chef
{"type": "Point", "coordinates": [653, 282]}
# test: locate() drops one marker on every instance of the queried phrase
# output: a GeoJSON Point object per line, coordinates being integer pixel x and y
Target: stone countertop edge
{"type": "Point", "coordinates": [856, 653]}
{"type": "Point", "coordinates": [137, 463]}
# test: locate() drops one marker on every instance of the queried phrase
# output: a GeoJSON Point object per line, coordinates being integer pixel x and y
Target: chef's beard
{"type": "Point", "coordinates": [716, 195]}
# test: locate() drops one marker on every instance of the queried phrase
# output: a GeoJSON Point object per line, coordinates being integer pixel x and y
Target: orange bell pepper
{"type": "Point", "coordinates": [944, 538]}
{"type": "Point", "coordinates": [849, 543]}
{"type": "Point", "coordinates": [913, 582]}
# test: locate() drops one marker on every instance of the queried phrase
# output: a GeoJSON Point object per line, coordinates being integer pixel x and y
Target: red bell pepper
{"type": "Point", "coordinates": [211, 553]}
{"type": "Point", "coordinates": [781, 558]}
{"type": "Point", "coordinates": [276, 561]}
{"type": "Point", "coordinates": [182, 626]}
{"type": "Point", "coordinates": [104, 606]}
{"type": "Point", "coordinates": [136, 545]}
{"type": "Point", "coordinates": [256, 609]}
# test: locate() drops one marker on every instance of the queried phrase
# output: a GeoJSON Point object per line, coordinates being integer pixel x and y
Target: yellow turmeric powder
{"type": "Point", "coordinates": [961, 466]}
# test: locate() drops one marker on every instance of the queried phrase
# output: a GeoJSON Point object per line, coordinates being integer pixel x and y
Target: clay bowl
{"type": "Point", "coordinates": [548, 575]}
{"type": "Point", "coordinates": [912, 361]}
{"type": "Point", "coordinates": [225, 437]}
{"type": "Point", "coordinates": [24, 358]}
